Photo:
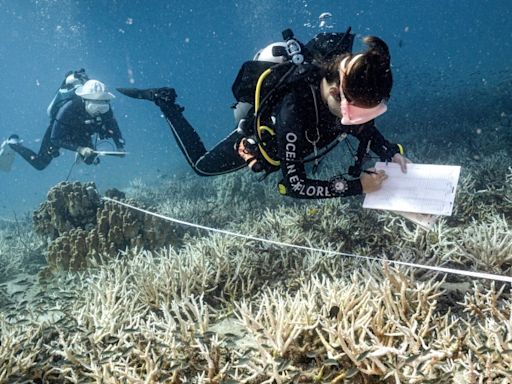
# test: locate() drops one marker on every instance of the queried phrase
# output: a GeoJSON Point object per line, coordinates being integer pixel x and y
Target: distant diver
{"type": "Point", "coordinates": [79, 111]}
{"type": "Point", "coordinates": [295, 102]}
{"type": "Point", "coordinates": [324, 20]}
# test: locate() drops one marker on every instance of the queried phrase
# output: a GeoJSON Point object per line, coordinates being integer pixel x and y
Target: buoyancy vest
{"type": "Point", "coordinates": [261, 84]}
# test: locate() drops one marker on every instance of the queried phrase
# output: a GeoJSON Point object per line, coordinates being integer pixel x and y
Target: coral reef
{"type": "Point", "coordinates": [80, 227]}
{"type": "Point", "coordinates": [21, 250]}
{"type": "Point", "coordinates": [67, 206]}
{"type": "Point", "coordinates": [141, 318]}
{"type": "Point", "coordinates": [222, 309]}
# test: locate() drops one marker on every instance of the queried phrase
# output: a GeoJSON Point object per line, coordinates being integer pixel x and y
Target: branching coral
{"type": "Point", "coordinates": [489, 353]}
{"type": "Point", "coordinates": [131, 320]}
{"type": "Point", "coordinates": [487, 245]}
{"type": "Point", "coordinates": [20, 249]}
{"type": "Point", "coordinates": [220, 309]}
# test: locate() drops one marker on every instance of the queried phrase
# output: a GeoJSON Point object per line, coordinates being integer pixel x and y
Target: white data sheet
{"type": "Point", "coordinates": [425, 188]}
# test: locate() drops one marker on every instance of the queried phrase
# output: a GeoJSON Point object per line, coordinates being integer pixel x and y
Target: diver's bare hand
{"type": "Point", "coordinates": [371, 180]}
{"type": "Point", "coordinates": [85, 151]}
{"type": "Point", "coordinates": [401, 160]}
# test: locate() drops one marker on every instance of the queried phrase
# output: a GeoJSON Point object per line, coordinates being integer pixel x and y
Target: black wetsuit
{"type": "Point", "coordinates": [73, 127]}
{"type": "Point", "coordinates": [296, 119]}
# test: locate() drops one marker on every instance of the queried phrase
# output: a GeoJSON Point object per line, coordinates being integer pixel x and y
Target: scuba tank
{"type": "Point", "coordinates": [261, 83]}
{"type": "Point", "coordinates": [66, 91]}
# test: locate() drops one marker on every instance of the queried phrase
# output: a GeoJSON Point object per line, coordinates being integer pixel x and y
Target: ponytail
{"type": "Point", "coordinates": [379, 48]}
{"type": "Point", "coordinates": [370, 80]}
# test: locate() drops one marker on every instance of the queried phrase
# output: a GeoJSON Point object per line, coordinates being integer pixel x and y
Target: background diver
{"type": "Point", "coordinates": [320, 93]}
{"type": "Point", "coordinates": [79, 110]}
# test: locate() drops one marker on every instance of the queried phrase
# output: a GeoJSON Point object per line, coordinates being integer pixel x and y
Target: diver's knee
{"type": "Point", "coordinates": [40, 166]}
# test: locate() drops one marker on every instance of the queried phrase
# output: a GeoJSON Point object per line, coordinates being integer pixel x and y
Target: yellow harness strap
{"type": "Point", "coordinates": [261, 128]}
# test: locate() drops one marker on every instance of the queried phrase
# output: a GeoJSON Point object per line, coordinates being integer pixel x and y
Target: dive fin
{"type": "Point", "coordinates": [7, 156]}
{"type": "Point", "coordinates": [146, 94]}
{"type": "Point", "coordinates": [151, 94]}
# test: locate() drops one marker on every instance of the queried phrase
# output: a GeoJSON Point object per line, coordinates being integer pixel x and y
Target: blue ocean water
{"type": "Point", "coordinates": [438, 49]}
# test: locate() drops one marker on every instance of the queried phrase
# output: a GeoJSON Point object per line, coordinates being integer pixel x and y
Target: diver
{"type": "Point", "coordinates": [321, 92]}
{"type": "Point", "coordinates": [79, 111]}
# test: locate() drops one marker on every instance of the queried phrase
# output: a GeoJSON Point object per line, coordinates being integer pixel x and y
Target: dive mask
{"type": "Point", "coordinates": [97, 107]}
{"type": "Point", "coordinates": [351, 114]}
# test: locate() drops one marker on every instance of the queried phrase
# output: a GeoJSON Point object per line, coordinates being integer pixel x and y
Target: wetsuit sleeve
{"type": "Point", "coordinates": [62, 126]}
{"type": "Point", "coordinates": [378, 144]}
{"type": "Point", "coordinates": [291, 141]}
{"type": "Point", "coordinates": [113, 130]}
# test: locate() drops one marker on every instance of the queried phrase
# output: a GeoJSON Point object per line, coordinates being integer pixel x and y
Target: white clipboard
{"type": "Point", "coordinates": [422, 194]}
{"type": "Point", "coordinates": [423, 220]}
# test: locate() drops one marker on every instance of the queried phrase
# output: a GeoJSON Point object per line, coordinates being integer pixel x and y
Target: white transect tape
{"type": "Point", "coordinates": [480, 275]}
{"type": "Point", "coordinates": [8, 220]}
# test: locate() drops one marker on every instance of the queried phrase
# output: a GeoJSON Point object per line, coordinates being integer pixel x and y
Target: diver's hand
{"type": "Point", "coordinates": [121, 150]}
{"type": "Point", "coordinates": [85, 151]}
{"type": "Point", "coordinates": [371, 180]}
{"type": "Point", "coordinates": [401, 160]}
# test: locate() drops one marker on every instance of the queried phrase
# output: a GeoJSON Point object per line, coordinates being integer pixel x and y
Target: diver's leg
{"type": "Point", "coordinates": [40, 160]}
{"type": "Point", "coordinates": [220, 160]}
{"type": "Point", "coordinates": [223, 158]}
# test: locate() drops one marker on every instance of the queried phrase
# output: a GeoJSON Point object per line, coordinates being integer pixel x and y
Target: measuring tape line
{"type": "Point", "coordinates": [480, 275]}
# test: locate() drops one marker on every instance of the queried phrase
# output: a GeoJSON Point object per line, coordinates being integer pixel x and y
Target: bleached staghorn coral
{"type": "Point", "coordinates": [469, 201]}
{"type": "Point", "coordinates": [508, 187]}
{"type": "Point", "coordinates": [481, 240]}
{"type": "Point", "coordinates": [489, 354]}
{"type": "Point", "coordinates": [107, 325]}
{"type": "Point", "coordinates": [102, 331]}
{"type": "Point", "coordinates": [333, 225]}
{"type": "Point", "coordinates": [243, 188]}
{"type": "Point", "coordinates": [193, 211]}
{"type": "Point", "coordinates": [154, 334]}
{"type": "Point", "coordinates": [20, 249]}
{"type": "Point", "coordinates": [276, 327]}
{"type": "Point", "coordinates": [340, 330]}
{"type": "Point", "coordinates": [485, 188]}
{"type": "Point", "coordinates": [390, 331]}
{"type": "Point", "coordinates": [215, 202]}
{"type": "Point", "coordinates": [486, 245]}
{"type": "Point", "coordinates": [489, 173]}
{"type": "Point", "coordinates": [168, 275]}
{"type": "Point", "coordinates": [280, 319]}
{"type": "Point", "coordinates": [139, 190]}
{"type": "Point", "coordinates": [333, 330]}
{"type": "Point", "coordinates": [433, 247]}
{"type": "Point", "coordinates": [17, 348]}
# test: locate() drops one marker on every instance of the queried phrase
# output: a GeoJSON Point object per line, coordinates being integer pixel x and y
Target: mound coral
{"type": "Point", "coordinates": [79, 227]}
